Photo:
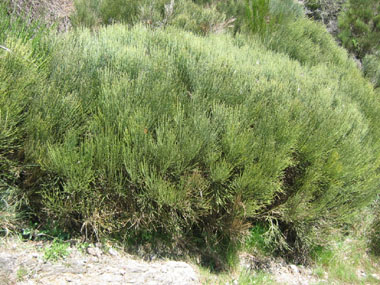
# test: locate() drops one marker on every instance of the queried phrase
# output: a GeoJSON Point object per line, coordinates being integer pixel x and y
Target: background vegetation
{"type": "Point", "coordinates": [360, 27]}
{"type": "Point", "coordinates": [187, 123]}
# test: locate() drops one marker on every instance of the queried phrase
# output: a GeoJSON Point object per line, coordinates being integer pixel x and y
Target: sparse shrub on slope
{"type": "Point", "coordinates": [147, 132]}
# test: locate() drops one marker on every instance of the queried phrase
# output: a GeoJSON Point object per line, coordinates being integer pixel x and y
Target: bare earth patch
{"type": "Point", "coordinates": [282, 272]}
{"type": "Point", "coordinates": [24, 263]}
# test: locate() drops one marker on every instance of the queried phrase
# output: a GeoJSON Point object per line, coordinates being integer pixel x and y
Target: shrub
{"type": "Point", "coordinates": [374, 236]}
{"type": "Point", "coordinates": [201, 17]}
{"type": "Point", "coordinates": [258, 14]}
{"type": "Point", "coordinates": [86, 13]}
{"type": "Point", "coordinates": [183, 13]}
{"type": "Point", "coordinates": [371, 68]}
{"type": "Point", "coordinates": [21, 76]}
{"type": "Point", "coordinates": [162, 133]}
{"type": "Point", "coordinates": [310, 44]}
{"type": "Point", "coordinates": [22, 29]}
{"type": "Point", "coordinates": [264, 16]}
{"type": "Point", "coordinates": [95, 12]}
{"type": "Point", "coordinates": [307, 42]}
{"type": "Point", "coordinates": [359, 27]}
{"type": "Point", "coordinates": [198, 19]}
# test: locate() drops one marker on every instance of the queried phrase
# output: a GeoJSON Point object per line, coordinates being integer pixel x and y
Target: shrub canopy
{"type": "Point", "coordinates": [359, 27]}
{"type": "Point", "coordinates": [152, 131]}
{"type": "Point", "coordinates": [189, 136]}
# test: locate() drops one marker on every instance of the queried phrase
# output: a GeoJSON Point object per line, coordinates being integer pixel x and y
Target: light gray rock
{"type": "Point", "coordinates": [111, 278]}
{"type": "Point", "coordinates": [375, 276]}
{"type": "Point", "coordinates": [94, 251]}
{"type": "Point", "coordinates": [93, 268]}
{"type": "Point", "coordinates": [294, 269]}
{"type": "Point", "coordinates": [113, 252]}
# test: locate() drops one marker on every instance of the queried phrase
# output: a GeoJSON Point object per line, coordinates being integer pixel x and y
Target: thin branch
{"type": "Point", "coordinates": [5, 48]}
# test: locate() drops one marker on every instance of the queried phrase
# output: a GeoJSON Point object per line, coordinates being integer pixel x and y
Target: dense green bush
{"type": "Point", "coordinates": [21, 77]}
{"type": "Point", "coordinates": [164, 132]}
{"type": "Point", "coordinates": [95, 12]}
{"type": "Point", "coordinates": [307, 42]}
{"type": "Point", "coordinates": [23, 30]}
{"type": "Point", "coordinates": [371, 68]}
{"type": "Point", "coordinates": [158, 133]}
{"type": "Point", "coordinates": [159, 13]}
{"type": "Point", "coordinates": [262, 17]}
{"type": "Point", "coordinates": [375, 231]}
{"type": "Point", "coordinates": [359, 27]}
{"type": "Point", "coordinates": [201, 17]}
{"type": "Point", "coordinates": [258, 16]}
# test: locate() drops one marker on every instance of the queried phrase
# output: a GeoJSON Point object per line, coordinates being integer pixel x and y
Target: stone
{"type": "Point", "coordinates": [109, 277]}
{"type": "Point", "coordinates": [82, 269]}
{"type": "Point", "coordinates": [361, 273]}
{"type": "Point", "coordinates": [294, 269]}
{"type": "Point", "coordinates": [113, 252]}
{"type": "Point", "coordinates": [94, 251]}
{"type": "Point", "coordinates": [123, 272]}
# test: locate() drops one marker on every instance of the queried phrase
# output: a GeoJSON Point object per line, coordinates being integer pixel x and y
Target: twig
{"type": "Point", "coordinates": [5, 48]}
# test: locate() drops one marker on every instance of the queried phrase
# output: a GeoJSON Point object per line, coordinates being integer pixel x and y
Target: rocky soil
{"type": "Point", "coordinates": [24, 263]}
{"type": "Point", "coordinates": [282, 272]}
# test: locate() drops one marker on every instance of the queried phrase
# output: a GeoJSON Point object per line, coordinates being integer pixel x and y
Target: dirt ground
{"type": "Point", "coordinates": [28, 263]}
{"type": "Point", "coordinates": [25, 263]}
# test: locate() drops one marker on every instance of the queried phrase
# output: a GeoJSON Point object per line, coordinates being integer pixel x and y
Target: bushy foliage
{"type": "Point", "coordinates": [359, 27]}
{"type": "Point", "coordinates": [307, 42]}
{"type": "Point", "coordinates": [95, 12]}
{"type": "Point", "coordinates": [158, 133]}
{"type": "Point", "coordinates": [183, 13]}
{"type": "Point", "coordinates": [22, 30]}
{"type": "Point", "coordinates": [375, 232]}
{"type": "Point", "coordinates": [259, 20]}
{"type": "Point", "coordinates": [201, 17]}
{"type": "Point", "coordinates": [371, 68]}
{"type": "Point", "coordinates": [263, 17]}
{"type": "Point", "coordinates": [163, 131]}
{"type": "Point", "coordinates": [20, 78]}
